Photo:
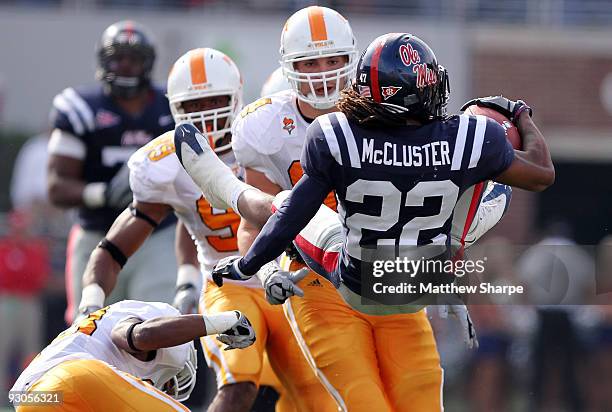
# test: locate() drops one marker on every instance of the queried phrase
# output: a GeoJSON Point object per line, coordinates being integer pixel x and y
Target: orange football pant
{"type": "Point", "coordinates": [93, 385]}
{"type": "Point", "coordinates": [274, 339]}
{"type": "Point", "coordinates": [366, 362]}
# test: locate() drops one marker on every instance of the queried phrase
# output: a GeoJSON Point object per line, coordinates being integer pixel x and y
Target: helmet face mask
{"type": "Point", "coordinates": [314, 33]}
{"type": "Point", "coordinates": [125, 59]}
{"type": "Point", "coordinates": [216, 122]}
{"type": "Point", "coordinates": [205, 89]}
{"type": "Point", "coordinates": [181, 385]}
{"type": "Point", "coordinates": [174, 371]}
{"type": "Point", "coordinates": [321, 89]}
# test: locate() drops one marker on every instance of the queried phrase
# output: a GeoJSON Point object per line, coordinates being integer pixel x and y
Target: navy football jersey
{"type": "Point", "coordinates": [110, 136]}
{"type": "Point", "coordinates": [397, 187]}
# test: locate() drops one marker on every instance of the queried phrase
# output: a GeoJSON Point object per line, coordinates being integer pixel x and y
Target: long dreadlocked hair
{"type": "Point", "coordinates": [368, 113]}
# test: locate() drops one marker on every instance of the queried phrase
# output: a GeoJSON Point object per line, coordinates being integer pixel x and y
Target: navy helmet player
{"type": "Point", "coordinates": [95, 130]}
{"type": "Point", "coordinates": [397, 162]}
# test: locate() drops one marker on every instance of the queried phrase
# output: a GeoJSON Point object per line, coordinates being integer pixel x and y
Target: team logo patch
{"type": "Point", "coordinates": [135, 138]}
{"type": "Point", "coordinates": [390, 91]}
{"type": "Point", "coordinates": [315, 282]}
{"type": "Point", "coordinates": [409, 55]}
{"type": "Point", "coordinates": [288, 124]}
{"type": "Point", "coordinates": [425, 75]}
{"type": "Point", "coordinates": [105, 119]}
{"type": "Point", "coordinates": [165, 120]}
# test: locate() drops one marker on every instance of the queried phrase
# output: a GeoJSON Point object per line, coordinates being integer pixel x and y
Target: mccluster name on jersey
{"type": "Point", "coordinates": [392, 154]}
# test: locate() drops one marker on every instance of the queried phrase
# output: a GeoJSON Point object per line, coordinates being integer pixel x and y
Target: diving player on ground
{"type": "Point", "coordinates": [131, 355]}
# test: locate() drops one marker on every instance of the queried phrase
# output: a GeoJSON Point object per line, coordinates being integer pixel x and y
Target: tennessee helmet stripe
{"type": "Point", "coordinates": [197, 66]}
{"type": "Point", "coordinates": [318, 31]}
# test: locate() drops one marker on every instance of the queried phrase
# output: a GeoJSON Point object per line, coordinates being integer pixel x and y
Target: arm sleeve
{"type": "Point", "coordinates": [283, 226]}
{"type": "Point", "coordinates": [317, 160]}
{"type": "Point", "coordinates": [496, 155]}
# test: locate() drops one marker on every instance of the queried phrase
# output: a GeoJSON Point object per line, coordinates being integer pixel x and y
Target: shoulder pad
{"type": "Point", "coordinates": [255, 128]}
{"type": "Point", "coordinates": [78, 108]}
{"type": "Point", "coordinates": [153, 168]}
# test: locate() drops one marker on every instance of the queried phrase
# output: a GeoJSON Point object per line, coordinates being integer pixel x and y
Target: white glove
{"type": "Point", "coordinates": [186, 299]}
{"type": "Point", "coordinates": [92, 299]}
{"type": "Point", "coordinates": [458, 309]}
{"type": "Point", "coordinates": [188, 287]}
{"type": "Point", "coordinates": [280, 284]}
{"type": "Point", "coordinates": [239, 336]}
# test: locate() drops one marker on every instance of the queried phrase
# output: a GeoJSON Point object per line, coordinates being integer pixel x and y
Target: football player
{"type": "Point", "coordinates": [347, 152]}
{"type": "Point", "coordinates": [130, 355]}
{"type": "Point", "coordinates": [204, 89]}
{"type": "Point", "coordinates": [96, 129]}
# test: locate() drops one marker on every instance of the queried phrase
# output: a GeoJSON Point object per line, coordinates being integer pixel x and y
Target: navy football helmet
{"type": "Point", "coordinates": [401, 72]}
{"type": "Point", "coordinates": [125, 59]}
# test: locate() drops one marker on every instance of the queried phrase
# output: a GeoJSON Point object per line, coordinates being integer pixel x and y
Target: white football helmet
{"type": "Point", "coordinates": [276, 82]}
{"type": "Point", "coordinates": [316, 32]}
{"type": "Point", "coordinates": [181, 384]}
{"type": "Point", "coordinates": [203, 73]}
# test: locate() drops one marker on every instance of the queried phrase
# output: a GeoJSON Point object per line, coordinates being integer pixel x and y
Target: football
{"type": "Point", "coordinates": [512, 133]}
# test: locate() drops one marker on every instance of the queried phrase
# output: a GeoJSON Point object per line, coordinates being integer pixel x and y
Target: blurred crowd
{"type": "Point", "coordinates": [548, 13]}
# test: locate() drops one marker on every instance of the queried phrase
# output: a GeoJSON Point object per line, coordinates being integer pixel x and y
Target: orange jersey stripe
{"type": "Point", "coordinates": [197, 66]}
{"type": "Point", "coordinates": [318, 31]}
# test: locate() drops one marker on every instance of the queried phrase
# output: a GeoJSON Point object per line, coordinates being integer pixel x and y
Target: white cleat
{"type": "Point", "coordinates": [216, 180]}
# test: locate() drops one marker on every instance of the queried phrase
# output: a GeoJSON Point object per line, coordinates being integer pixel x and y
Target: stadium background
{"type": "Point", "coordinates": [555, 54]}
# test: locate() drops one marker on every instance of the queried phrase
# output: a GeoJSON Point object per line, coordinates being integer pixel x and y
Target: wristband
{"type": "Point", "coordinates": [220, 322]}
{"type": "Point", "coordinates": [521, 110]}
{"type": "Point", "coordinates": [94, 195]}
{"type": "Point", "coordinates": [130, 336]}
{"type": "Point", "coordinates": [92, 295]}
{"type": "Point", "coordinates": [237, 192]}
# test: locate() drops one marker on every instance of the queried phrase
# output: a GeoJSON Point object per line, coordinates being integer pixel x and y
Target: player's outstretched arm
{"type": "Point", "coordinates": [531, 169]}
{"type": "Point", "coordinates": [136, 335]}
{"type": "Point", "coordinates": [124, 238]}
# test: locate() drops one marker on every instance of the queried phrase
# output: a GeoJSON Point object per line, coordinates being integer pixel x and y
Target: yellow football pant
{"type": "Point", "coordinates": [92, 385]}
{"type": "Point", "coordinates": [367, 363]}
{"type": "Point", "coordinates": [274, 339]}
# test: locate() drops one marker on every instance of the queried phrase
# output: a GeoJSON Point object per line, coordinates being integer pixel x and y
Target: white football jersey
{"type": "Point", "coordinates": [156, 176]}
{"type": "Point", "coordinates": [268, 137]}
{"type": "Point", "coordinates": [91, 339]}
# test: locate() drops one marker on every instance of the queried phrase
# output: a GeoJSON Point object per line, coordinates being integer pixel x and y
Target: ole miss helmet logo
{"type": "Point", "coordinates": [389, 91]}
